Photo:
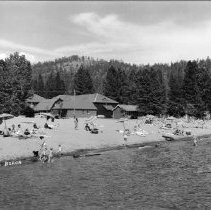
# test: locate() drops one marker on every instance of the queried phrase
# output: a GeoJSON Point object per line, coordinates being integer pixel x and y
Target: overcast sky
{"type": "Point", "coordinates": [135, 32]}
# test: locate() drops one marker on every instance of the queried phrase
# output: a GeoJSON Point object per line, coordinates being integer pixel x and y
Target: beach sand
{"type": "Point", "coordinates": [71, 139]}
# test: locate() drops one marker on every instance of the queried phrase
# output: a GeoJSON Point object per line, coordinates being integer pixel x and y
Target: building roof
{"type": "Point", "coordinates": [78, 103]}
{"type": "Point", "coordinates": [98, 98]}
{"type": "Point", "coordinates": [35, 98]}
{"type": "Point", "coordinates": [127, 108]}
{"type": "Point", "coordinates": [86, 101]}
{"type": "Point", "coordinates": [45, 105]}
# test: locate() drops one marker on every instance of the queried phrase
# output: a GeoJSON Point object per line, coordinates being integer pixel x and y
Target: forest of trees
{"type": "Point", "coordinates": [174, 89]}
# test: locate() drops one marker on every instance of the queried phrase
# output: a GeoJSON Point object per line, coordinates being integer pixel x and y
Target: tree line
{"type": "Point", "coordinates": [176, 89]}
{"type": "Point", "coordinates": [172, 89]}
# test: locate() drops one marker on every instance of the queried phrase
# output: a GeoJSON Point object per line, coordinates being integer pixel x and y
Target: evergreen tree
{"type": "Point", "coordinates": [191, 90]}
{"type": "Point", "coordinates": [175, 107]}
{"type": "Point", "coordinates": [83, 82]}
{"type": "Point", "coordinates": [150, 92]}
{"type": "Point", "coordinates": [40, 86]}
{"type": "Point", "coordinates": [18, 82]}
{"type": "Point", "coordinates": [131, 88]}
{"type": "Point", "coordinates": [112, 84]}
{"type": "Point", "coordinates": [3, 77]}
{"type": "Point", "coordinates": [59, 85]}
{"type": "Point", "coordinates": [50, 87]}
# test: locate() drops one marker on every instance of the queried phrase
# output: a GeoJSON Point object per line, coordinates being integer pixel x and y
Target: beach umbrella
{"type": "Point", "coordinates": [5, 117]}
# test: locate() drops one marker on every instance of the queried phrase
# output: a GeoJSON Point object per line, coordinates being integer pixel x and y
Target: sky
{"type": "Point", "coordinates": [137, 32]}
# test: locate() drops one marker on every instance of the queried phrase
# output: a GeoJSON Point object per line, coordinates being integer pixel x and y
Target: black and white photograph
{"type": "Point", "coordinates": [105, 105]}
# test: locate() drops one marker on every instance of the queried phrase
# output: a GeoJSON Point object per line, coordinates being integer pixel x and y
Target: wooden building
{"type": "Point", "coordinates": [84, 105]}
{"type": "Point", "coordinates": [123, 110]}
{"type": "Point", "coordinates": [34, 100]}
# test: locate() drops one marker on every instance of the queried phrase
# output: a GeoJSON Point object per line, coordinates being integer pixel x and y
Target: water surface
{"type": "Point", "coordinates": [171, 176]}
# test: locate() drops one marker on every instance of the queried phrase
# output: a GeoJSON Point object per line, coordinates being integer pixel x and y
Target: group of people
{"type": "Point", "coordinates": [13, 131]}
{"type": "Point", "coordinates": [46, 155]}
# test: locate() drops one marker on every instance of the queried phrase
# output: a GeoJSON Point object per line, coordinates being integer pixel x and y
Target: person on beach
{"type": "Point", "coordinates": [26, 132]}
{"type": "Point", "coordinates": [76, 122]}
{"type": "Point", "coordinates": [7, 132]}
{"type": "Point", "coordinates": [35, 126]}
{"type": "Point", "coordinates": [50, 155]}
{"type": "Point", "coordinates": [13, 128]}
{"type": "Point", "coordinates": [125, 138]}
{"type": "Point", "coordinates": [47, 126]}
{"type": "Point", "coordinates": [44, 156]}
{"type": "Point", "coordinates": [43, 150]}
{"type": "Point", "coordinates": [60, 149]}
{"type": "Point", "coordinates": [19, 131]}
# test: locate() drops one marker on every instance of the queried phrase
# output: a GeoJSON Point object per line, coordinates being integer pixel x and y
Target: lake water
{"type": "Point", "coordinates": [171, 176]}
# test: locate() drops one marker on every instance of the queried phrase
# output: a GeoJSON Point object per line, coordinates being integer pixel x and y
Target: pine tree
{"type": "Point", "coordinates": [150, 92]}
{"type": "Point", "coordinates": [83, 82]}
{"type": "Point", "coordinates": [59, 85]}
{"type": "Point", "coordinates": [131, 88]}
{"type": "Point", "coordinates": [123, 82]}
{"type": "Point", "coordinates": [40, 86]}
{"type": "Point", "coordinates": [112, 84]}
{"type": "Point", "coordinates": [18, 82]}
{"type": "Point", "coordinates": [175, 107]}
{"type": "Point", "coordinates": [191, 90]}
{"type": "Point", "coordinates": [50, 87]}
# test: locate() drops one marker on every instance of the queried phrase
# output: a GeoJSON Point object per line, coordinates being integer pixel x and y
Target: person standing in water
{"type": "Point", "coordinates": [195, 141]}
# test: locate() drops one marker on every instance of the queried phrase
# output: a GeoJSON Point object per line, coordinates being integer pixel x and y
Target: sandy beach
{"type": "Point", "coordinates": [71, 139]}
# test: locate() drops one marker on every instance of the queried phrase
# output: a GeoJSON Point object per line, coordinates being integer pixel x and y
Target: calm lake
{"type": "Point", "coordinates": [171, 176]}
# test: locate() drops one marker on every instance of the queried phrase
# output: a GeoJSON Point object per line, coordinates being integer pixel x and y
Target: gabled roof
{"type": "Point", "coordinates": [45, 105]}
{"type": "Point", "coordinates": [86, 101]}
{"type": "Point", "coordinates": [77, 103]}
{"type": "Point", "coordinates": [35, 98]}
{"type": "Point", "coordinates": [98, 98]}
{"type": "Point", "coordinates": [63, 97]}
{"type": "Point", "coordinates": [128, 108]}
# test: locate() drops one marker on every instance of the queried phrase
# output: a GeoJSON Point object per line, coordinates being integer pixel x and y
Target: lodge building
{"type": "Point", "coordinates": [87, 105]}
{"type": "Point", "coordinates": [80, 105]}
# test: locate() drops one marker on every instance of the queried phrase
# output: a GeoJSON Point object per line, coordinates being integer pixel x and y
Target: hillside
{"type": "Point", "coordinates": [68, 66]}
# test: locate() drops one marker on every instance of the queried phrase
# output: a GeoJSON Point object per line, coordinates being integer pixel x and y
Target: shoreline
{"type": "Point", "coordinates": [23, 160]}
